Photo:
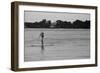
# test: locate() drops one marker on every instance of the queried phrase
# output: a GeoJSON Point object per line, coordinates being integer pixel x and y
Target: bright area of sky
{"type": "Point", "coordinates": [36, 16]}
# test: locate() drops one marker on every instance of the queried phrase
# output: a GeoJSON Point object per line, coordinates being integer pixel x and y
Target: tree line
{"type": "Point", "coordinates": [58, 24]}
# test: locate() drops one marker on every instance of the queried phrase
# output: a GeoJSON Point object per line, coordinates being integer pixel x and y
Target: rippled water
{"type": "Point", "coordinates": [59, 44]}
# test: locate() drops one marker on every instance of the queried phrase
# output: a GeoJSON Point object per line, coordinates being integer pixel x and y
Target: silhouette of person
{"type": "Point", "coordinates": [42, 35]}
{"type": "Point", "coordinates": [42, 40]}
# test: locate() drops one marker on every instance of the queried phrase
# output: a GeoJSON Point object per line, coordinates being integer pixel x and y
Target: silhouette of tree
{"type": "Point", "coordinates": [58, 24]}
{"type": "Point", "coordinates": [81, 24]}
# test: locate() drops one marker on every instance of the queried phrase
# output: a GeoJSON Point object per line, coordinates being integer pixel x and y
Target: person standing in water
{"type": "Point", "coordinates": [42, 40]}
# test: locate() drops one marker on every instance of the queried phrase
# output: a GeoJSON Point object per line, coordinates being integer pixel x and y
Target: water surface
{"type": "Point", "coordinates": [59, 44]}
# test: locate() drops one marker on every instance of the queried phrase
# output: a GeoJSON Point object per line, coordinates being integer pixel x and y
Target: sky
{"type": "Point", "coordinates": [35, 16]}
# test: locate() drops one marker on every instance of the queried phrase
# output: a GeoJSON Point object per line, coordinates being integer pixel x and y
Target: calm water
{"type": "Point", "coordinates": [59, 44]}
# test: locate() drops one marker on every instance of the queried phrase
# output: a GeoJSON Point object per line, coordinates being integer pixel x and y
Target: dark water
{"type": "Point", "coordinates": [59, 44]}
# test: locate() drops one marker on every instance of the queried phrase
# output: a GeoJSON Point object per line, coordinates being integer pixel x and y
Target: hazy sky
{"type": "Point", "coordinates": [33, 16]}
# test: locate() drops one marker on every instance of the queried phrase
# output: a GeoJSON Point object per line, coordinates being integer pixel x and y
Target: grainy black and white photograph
{"type": "Point", "coordinates": [56, 36]}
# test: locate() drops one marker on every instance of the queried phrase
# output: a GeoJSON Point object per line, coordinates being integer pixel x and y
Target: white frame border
{"type": "Point", "coordinates": [23, 64]}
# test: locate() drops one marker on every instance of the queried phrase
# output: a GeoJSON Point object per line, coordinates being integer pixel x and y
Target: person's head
{"type": "Point", "coordinates": [42, 32]}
